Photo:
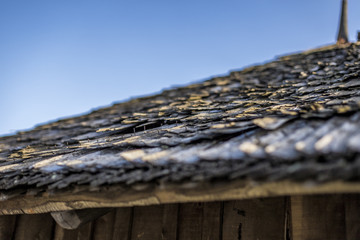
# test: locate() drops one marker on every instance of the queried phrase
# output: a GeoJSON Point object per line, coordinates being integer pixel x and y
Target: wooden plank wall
{"type": "Point", "coordinates": [288, 218]}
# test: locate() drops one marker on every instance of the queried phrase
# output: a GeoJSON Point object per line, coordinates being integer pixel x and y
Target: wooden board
{"type": "Point", "coordinates": [147, 222]}
{"type": "Point", "coordinates": [104, 226]}
{"type": "Point", "coordinates": [254, 219]}
{"type": "Point", "coordinates": [170, 221]}
{"type": "Point", "coordinates": [39, 227]}
{"type": "Point", "coordinates": [212, 221]}
{"type": "Point", "coordinates": [123, 223]}
{"type": "Point", "coordinates": [115, 196]}
{"type": "Point", "coordinates": [190, 221]}
{"type": "Point", "coordinates": [318, 217]}
{"type": "Point", "coordinates": [352, 214]}
{"type": "Point", "coordinates": [7, 227]}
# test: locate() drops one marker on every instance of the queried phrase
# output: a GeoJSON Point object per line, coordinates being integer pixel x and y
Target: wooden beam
{"type": "Point", "coordinates": [255, 219]}
{"type": "Point", "coordinates": [318, 217]}
{"type": "Point", "coordinates": [74, 219]}
{"type": "Point", "coordinates": [115, 196]}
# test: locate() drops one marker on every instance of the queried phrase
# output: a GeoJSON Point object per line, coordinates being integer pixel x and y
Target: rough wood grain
{"type": "Point", "coordinates": [123, 223]}
{"type": "Point", "coordinates": [352, 215]}
{"type": "Point", "coordinates": [170, 221]}
{"type": "Point", "coordinates": [147, 222]}
{"type": "Point", "coordinates": [39, 227]}
{"type": "Point", "coordinates": [190, 221]}
{"type": "Point", "coordinates": [104, 227]}
{"type": "Point", "coordinates": [115, 197]}
{"type": "Point", "coordinates": [254, 219]}
{"type": "Point", "coordinates": [7, 227]}
{"type": "Point", "coordinates": [211, 222]}
{"type": "Point", "coordinates": [318, 217]}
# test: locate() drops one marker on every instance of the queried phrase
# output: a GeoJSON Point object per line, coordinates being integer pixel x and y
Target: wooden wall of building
{"type": "Point", "coordinates": [290, 218]}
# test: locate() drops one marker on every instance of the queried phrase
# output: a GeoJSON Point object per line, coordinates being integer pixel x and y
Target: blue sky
{"type": "Point", "coordinates": [61, 58]}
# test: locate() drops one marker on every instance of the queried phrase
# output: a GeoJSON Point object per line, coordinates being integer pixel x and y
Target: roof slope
{"type": "Point", "coordinates": [294, 119]}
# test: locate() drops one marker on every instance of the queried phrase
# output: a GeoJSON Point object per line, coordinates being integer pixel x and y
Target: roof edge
{"type": "Point", "coordinates": [117, 196]}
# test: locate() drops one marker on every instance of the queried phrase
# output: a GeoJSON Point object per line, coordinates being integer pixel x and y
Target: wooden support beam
{"type": "Point", "coordinates": [74, 219]}
{"type": "Point", "coordinates": [255, 219]}
{"type": "Point", "coordinates": [318, 217]}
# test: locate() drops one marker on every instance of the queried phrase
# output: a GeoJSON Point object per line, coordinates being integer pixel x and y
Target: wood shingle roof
{"type": "Point", "coordinates": [286, 127]}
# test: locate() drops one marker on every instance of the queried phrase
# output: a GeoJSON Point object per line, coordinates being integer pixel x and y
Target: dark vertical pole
{"type": "Point", "coordinates": [343, 27]}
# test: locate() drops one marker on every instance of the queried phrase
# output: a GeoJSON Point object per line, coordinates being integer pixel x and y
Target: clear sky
{"type": "Point", "coordinates": [60, 58]}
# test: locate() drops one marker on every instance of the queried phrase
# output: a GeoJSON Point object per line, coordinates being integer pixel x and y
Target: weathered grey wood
{"type": "Point", "coordinates": [211, 222]}
{"type": "Point", "coordinates": [170, 221]}
{"type": "Point", "coordinates": [190, 221]}
{"type": "Point", "coordinates": [352, 215]}
{"type": "Point", "coordinates": [318, 217]}
{"type": "Point", "coordinates": [254, 219]}
{"type": "Point", "coordinates": [7, 226]}
{"type": "Point", "coordinates": [81, 233]}
{"type": "Point", "coordinates": [234, 190]}
{"type": "Point", "coordinates": [147, 222]}
{"type": "Point", "coordinates": [104, 226]}
{"type": "Point", "coordinates": [39, 227]}
{"type": "Point", "coordinates": [123, 223]}
{"type": "Point", "coordinates": [74, 219]}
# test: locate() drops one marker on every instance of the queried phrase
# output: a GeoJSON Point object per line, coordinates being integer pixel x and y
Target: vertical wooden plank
{"type": "Point", "coordinates": [254, 219]}
{"type": "Point", "coordinates": [190, 221]}
{"type": "Point", "coordinates": [147, 222]}
{"type": "Point", "coordinates": [85, 231]}
{"type": "Point", "coordinates": [39, 227]}
{"type": "Point", "coordinates": [82, 233]}
{"type": "Point", "coordinates": [7, 226]}
{"type": "Point", "coordinates": [211, 221]}
{"type": "Point", "coordinates": [170, 221]}
{"type": "Point", "coordinates": [352, 216]}
{"type": "Point", "coordinates": [104, 226]}
{"type": "Point", "coordinates": [318, 217]}
{"type": "Point", "coordinates": [122, 224]}
{"type": "Point", "coordinates": [63, 234]}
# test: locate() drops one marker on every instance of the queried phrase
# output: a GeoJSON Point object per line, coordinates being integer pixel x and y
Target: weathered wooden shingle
{"type": "Point", "coordinates": [296, 118]}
